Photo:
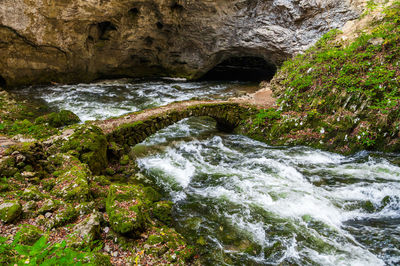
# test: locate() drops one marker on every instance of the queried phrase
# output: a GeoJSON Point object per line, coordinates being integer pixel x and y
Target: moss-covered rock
{"type": "Point", "coordinates": [63, 216]}
{"type": "Point", "coordinates": [91, 146]}
{"type": "Point", "coordinates": [73, 185]}
{"type": "Point", "coordinates": [166, 245]}
{"type": "Point", "coordinates": [151, 194]}
{"type": "Point", "coordinates": [8, 167]}
{"type": "Point", "coordinates": [29, 234]}
{"type": "Point", "coordinates": [32, 193]}
{"type": "Point", "coordinates": [124, 207]}
{"type": "Point", "coordinates": [49, 205]}
{"type": "Point", "coordinates": [85, 232]}
{"type": "Point", "coordinates": [58, 119]}
{"type": "Point", "coordinates": [10, 211]}
{"type": "Point", "coordinates": [162, 211]}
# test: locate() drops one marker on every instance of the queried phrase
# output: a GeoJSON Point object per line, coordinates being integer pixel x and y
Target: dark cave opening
{"type": "Point", "coordinates": [104, 29]}
{"type": "Point", "coordinates": [246, 68]}
{"type": "Point", "coordinates": [3, 82]}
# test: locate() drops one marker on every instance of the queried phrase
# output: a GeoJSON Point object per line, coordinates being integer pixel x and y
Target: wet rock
{"type": "Point", "coordinates": [29, 206]}
{"type": "Point", "coordinates": [28, 174]}
{"type": "Point", "coordinates": [124, 160]}
{"type": "Point", "coordinates": [10, 211]}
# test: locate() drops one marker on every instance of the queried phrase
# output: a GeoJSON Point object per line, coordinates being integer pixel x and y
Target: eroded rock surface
{"type": "Point", "coordinates": [76, 40]}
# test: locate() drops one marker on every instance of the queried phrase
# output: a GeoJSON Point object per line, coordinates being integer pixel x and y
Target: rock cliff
{"type": "Point", "coordinates": [81, 40]}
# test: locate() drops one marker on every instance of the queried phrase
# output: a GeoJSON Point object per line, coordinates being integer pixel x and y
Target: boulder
{"type": "Point", "coordinates": [124, 207]}
{"type": "Point", "coordinates": [10, 211]}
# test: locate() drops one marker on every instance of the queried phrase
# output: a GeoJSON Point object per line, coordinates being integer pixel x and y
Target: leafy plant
{"type": "Point", "coordinates": [41, 253]}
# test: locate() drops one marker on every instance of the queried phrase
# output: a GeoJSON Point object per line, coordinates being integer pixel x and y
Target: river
{"type": "Point", "coordinates": [244, 202]}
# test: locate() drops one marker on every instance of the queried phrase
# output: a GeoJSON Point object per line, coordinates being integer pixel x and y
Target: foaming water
{"type": "Point", "coordinates": [249, 203]}
{"type": "Point", "coordinates": [117, 97]}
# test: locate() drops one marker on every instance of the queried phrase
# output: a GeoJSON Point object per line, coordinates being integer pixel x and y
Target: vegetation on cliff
{"type": "Point", "coordinates": [340, 95]}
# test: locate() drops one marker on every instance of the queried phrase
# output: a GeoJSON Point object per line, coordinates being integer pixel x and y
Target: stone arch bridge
{"type": "Point", "coordinates": [134, 128]}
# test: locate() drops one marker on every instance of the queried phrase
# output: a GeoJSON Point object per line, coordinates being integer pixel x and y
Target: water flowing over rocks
{"type": "Point", "coordinates": [71, 41]}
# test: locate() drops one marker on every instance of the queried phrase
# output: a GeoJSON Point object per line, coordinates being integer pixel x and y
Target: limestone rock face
{"type": "Point", "coordinates": [81, 40]}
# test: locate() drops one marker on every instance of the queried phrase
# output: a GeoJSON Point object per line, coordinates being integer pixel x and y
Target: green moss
{"type": "Point", "coordinates": [63, 216]}
{"type": "Point", "coordinates": [10, 211]}
{"type": "Point", "coordinates": [91, 145]}
{"type": "Point", "coordinates": [162, 211]}
{"type": "Point", "coordinates": [338, 96]}
{"type": "Point", "coordinates": [59, 119]}
{"type": "Point", "coordinates": [49, 205]}
{"type": "Point", "coordinates": [154, 239]}
{"type": "Point", "coordinates": [124, 208]}
{"type": "Point", "coordinates": [29, 234]}
{"type": "Point", "coordinates": [151, 194]}
{"type": "Point", "coordinates": [32, 193]}
{"type": "Point", "coordinates": [124, 160]}
{"type": "Point", "coordinates": [73, 185]}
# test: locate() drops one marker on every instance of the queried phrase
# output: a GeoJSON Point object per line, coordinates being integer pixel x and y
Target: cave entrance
{"type": "Point", "coordinates": [3, 82]}
{"type": "Point", "coordinates": [242, 69]}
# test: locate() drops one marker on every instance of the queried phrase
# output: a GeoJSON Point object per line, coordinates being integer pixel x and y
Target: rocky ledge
{"type": "Point", "coordinates": [79, 41]}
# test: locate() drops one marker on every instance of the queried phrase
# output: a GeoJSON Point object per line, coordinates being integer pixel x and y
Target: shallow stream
{"type": "Point", "coordinates": [247, 203]}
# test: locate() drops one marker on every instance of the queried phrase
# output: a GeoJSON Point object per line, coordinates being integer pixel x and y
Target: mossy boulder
{"type": "Point", "coordinates": [29, 234]}
{"type": "Point", "coordinates": [63, 216]}
{"type": "Point", "coordinates": [85, 232]}
{"type": "Point", "coordinates": [49, 205]}
{"type": "Point", "coordinates": [8, 167]}
{"type": "Point", "coordinates": [10, 211]}
{"type": "Point", "coordinates": [124, 207]}
{"type": "Point", "coordinates": [73, 185]}
{"type": "Point", "coordinates": [32, 193]}
{"type": "Point", "coordinates": [162, 211]}
{"type": "Point", "coordinates": [151, 194]}
{"type": "Point", "coordinates": [166, 245]}
{"type": "Point", "coordinates": [58, 119]}
{"type": "Point", "coordinates": [90, 144]}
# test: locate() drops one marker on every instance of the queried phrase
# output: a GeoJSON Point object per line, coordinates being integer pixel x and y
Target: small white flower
{"type": "Point", "coordinates": [358, 137]}
{"type": "Point", "coordinates": [322, 131]}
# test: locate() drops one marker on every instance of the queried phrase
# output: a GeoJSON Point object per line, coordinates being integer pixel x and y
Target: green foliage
{"type": "Point", "coordinates": [42, 252]}
{"type": "Point", "coordinates": [348, 76]}
{"type": "Point", "coordinates": [265, 115]}
{"type": "Point", "coordinates": [25, 127]}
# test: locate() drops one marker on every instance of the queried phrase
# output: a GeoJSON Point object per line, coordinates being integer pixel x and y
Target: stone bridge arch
{"type": "Point", "coordinates": [134, 131]}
